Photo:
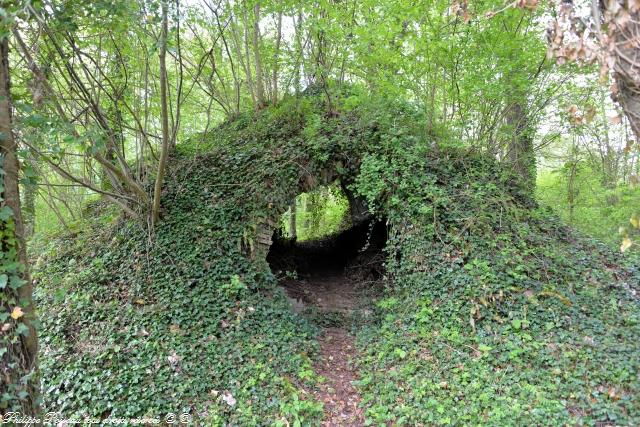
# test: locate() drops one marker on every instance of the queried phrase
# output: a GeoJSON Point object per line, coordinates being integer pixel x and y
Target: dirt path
{"type": "Point", "coordinates": [330, 293]}
{"type": "Point", "coordinates": [340, 398]}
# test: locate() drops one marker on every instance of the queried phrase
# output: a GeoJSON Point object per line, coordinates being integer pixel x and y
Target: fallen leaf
{"type": "Point", "coordinates": [228, 398]}
{"type": "Point", "coordinates": [173, 358]}
{"type": "Point", "coordinates": [17, 313]}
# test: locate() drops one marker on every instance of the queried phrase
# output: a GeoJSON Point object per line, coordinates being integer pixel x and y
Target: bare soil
{"type": "Point", "coordinates": [336, 275]}
{"type": "Point", "coordinates": [341, 399]}
{"type": "Point", "coordinates": [332, 292]}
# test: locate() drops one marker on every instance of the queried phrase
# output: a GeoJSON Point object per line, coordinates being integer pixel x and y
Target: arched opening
{"type": "Point", "coordinates": [327, 252]}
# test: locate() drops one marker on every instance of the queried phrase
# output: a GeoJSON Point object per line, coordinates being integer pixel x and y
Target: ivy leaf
{"type": "Point", "coordinates": [3, 281]}
{"type": "Point", "coordinates": [400, 353]}
{"type": "Point", "coordinates": [517, 324]}
{"type": "Point", "coordinates": [5, 213]}
{"type": "Point", "coordinates": [16, 282]}
{"type": "Point", "coordinates": [22, 329]}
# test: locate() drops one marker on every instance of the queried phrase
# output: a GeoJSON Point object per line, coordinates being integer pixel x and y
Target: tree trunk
{"type": "Point", "coordinates": [239, 47]}
{"type": "Point", "coordinates": [299, 55]}
{"type": "Point", "coordinates": [292, 221]}
{"type": "Point", "coordinates": [626, 71]}
{"type": "Point", "coordinates": [256, 52]}
{"type": "Point", "coordinates": [274, 98]}
{"type": "Point", "coordinates": [30, 192]}
{"type": "Point", "coordinates": [157, 193]}
{"type": "Point", "coordinates": [18, 339]}
{"type": "Point", "coordinates": [520, 152]}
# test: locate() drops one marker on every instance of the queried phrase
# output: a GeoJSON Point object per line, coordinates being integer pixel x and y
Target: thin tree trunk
{"type": "Point", "coordinates": [256, 53]}
{"type": "Point", "coordinates": [292, 221]}
{"type": "Point", "coordinates": [157, 193]}
{"type": "Point", "coordinates": [179, 100]}
{"type": "Point", "coordinates": [274, 98]}
{"type": "Point", "coordinates": [52, 205]}
{"type": "Point", "coordinates": [20, 357]}
{"type": "Point", "coordinates": [299, 56]}
{"type": "Point", "coordinates": [30, 192]}
{"type": "Point", "coordinates": [245, 64]}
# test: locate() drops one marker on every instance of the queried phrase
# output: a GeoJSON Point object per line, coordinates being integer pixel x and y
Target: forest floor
{"type": "Point", "coordinates": [332, 293]}
{"type": "Point", "coordinates": [326, 291]}
{"type": "Point", "coordinates": [340, 398]}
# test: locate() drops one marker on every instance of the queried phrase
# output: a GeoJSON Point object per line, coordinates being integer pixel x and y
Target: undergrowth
{"type": "Point", "coordinates": [494, 313]}
{"type": "Point", "coordinates": [593, 208]}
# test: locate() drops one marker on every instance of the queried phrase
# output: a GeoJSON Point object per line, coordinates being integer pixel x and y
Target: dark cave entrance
{"type": "Point", "coordinates": [337, 272]}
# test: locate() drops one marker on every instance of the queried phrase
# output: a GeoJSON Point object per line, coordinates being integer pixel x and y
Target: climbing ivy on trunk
{"type": "Point", "coordinates": [18, 340]}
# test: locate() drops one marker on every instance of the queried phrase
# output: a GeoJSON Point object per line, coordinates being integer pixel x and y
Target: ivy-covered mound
{"type": "Point", "coordinates": [188, 319]}
{"type": "Point", "coordinates": [493, 313]}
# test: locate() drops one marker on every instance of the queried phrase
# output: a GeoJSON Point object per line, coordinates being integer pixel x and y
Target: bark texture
{"type": "Point", "coordinates": [20, 357]}
{"type": "Point", "coordinates": [520, 153]}
{"type": "Point", "coordinates": [625, 42]}
{"type": "Point", "coordinates": [157, 193]}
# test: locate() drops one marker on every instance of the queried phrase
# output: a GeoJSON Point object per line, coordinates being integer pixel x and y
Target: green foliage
{"type": "Point", "coordinates": [494, 313]}
{"type": "Point", "coordinates": [593, 208]}
{"type": "Point", "coordinates": [320, 213]}
{"type": "Point", "coordinates": [18, 378]}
